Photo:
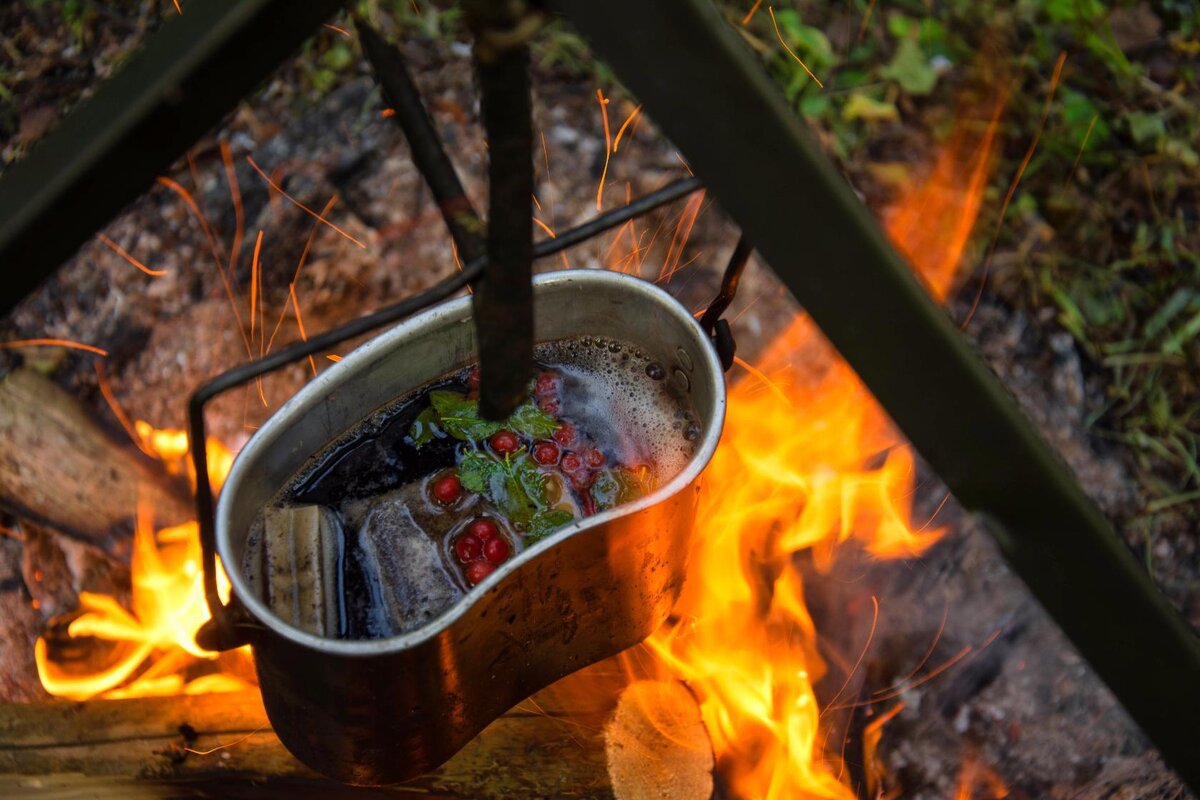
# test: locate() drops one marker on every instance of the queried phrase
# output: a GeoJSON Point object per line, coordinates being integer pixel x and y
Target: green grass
{"type": "Point", "coordinates": [1104, 221]}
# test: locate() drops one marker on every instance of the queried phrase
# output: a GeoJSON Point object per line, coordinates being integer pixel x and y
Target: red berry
{"type": "Point", "coordinates": [468, 548]}
{"type": "Point", "coordinates": [549, 404]}
{"type": "Point", "coordinates": [581, 480]}
{"type": "Point", "coordinates": [447, 488]}
{"type": "Point", "coordinates": [547, 384]}
{"type": "Point", "coordinates": [565, 434]}
{"type": "Point", "coordinates": [545, 453]}
{"type": "Point", "coordinates": [473, 378]}
{"type": "Point", "coordinates": [478, 570]}
{"type": "Point", "coordinates": [484, 529]}
{"type": "Point", "coordinates": [593, 458]}
{"type": "Point", "coordinates": [496, 550]}
{"type": "Point", "coordinates": [587, 502]}
{"type": "Point", "coordinates": [571, 462]}
{"type": "Point", "coordinates": [505, 443]}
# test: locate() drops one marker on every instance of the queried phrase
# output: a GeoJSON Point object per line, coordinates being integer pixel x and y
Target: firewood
{"type": "Point", "coordinates": [554, 745]}
{"type": "Point", "coordinates": [20, 623]}
{"type": "Point", "coordinates": [59, 467]}
{"type": "Point", "coordinates": [657, 746]}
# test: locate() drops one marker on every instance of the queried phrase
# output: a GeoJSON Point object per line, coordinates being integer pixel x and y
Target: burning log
{"type": "Point", "coordinates": [59, 467]}
{"type": "Point", "coordinates": [657, 745]}
{"type": "Point", "coordinates": [557, 744]}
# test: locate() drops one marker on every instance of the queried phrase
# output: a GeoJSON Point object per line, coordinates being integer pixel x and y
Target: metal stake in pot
{"type": "Point", "coordinates": [504, 298]}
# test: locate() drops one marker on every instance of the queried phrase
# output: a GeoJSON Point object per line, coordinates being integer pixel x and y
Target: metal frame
{"type": "Point", "coordinates": [708, 94]}
{"type": "Point", "coordinates": [109, 150]}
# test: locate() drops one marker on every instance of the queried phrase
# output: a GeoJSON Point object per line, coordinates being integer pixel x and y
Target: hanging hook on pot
{"type": "Point", "coordinates": [714, 325]}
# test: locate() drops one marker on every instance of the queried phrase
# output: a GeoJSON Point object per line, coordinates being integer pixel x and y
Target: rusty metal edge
{"type": "Point", "coordinates": [106, 152]}
{"type": "Point", "coordinates": [707, 92]}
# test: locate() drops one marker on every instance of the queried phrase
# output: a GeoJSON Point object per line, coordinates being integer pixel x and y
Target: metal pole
{"type": "Point", "coordinates": [425, 145]}
{"type": "Point", "coordinates": [707, 92]}
{"type": "Point", "coordinates": [503, 301]}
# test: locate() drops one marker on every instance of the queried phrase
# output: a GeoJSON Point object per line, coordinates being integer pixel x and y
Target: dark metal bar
{"type": "Point", "coordinates": [503, 300]}
{"type": "Point", "coordinates": [402, 95]}
{"type": "Point", "coordinates": [110, 149]}
{"type": "Point", "coordinates": [710, 96]}
{"type": "Point", "coordinates": [220, 632]}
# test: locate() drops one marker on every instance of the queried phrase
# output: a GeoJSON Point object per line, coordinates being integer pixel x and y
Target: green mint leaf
{"type": "Point", "coordinates": [424, 428]}
{"type": "Point", "coordinates": [510, 495]}
{"type": "Point", "coordinates": [460, 418]}
{"type": "Point", "coordinates": [532, 421]}
{"type": "Point", "coordinates": [546, 522]}
{"type": "Point", "coordinates": [514, 484]}
{"type": "Point", "coordinates": [532, 481]}
{"type": "Point", "coordinates": [476, 471]}
{"type": "Point", "coordinates": [616, 486]}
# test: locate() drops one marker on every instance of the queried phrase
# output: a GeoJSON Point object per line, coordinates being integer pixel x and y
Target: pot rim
{"type": "Point", "coordinates": [460, 309]}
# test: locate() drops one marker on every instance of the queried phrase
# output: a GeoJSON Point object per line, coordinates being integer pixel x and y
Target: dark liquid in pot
{"type": "Point", "coordinates": [389, 526]}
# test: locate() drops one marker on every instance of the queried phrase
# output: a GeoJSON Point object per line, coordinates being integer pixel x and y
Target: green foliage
{"type": "Point", "coordinates": [546, 522]}
{"type": "Point", "coordinates": [614, 487]}
{"type": "Point", "coordinates": [459, 416]}
{"type": "Point", "coordinates": [425, 428]}
{"type": "Point", "coordinates": [513, 483]}
{"type": "Point", "coordinates": [1144, 127]}
{"type": "Point", "coordinates": [477, 468]}
{"type": "Point", "coordinates": [1102, 226]}
{"type": "Point", "coordinates": [862, 106]}
{"type": "Point", "coordinates": [911, 69]}
{"type": "Point", "coordinates": [532, 421]}
{"type": "Point", "coordinates": [454, 414]}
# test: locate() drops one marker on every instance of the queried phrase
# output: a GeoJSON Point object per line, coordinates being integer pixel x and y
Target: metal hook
{"type": "Point", "coordinates": [718, 329]}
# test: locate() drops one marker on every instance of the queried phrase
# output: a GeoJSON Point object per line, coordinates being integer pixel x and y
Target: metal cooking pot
{"type": "Point", "coordinates": [385, 710]}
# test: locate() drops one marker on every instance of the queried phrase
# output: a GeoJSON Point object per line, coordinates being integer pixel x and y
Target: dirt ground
{"type": "Point", "coordinates": [1029, 709]}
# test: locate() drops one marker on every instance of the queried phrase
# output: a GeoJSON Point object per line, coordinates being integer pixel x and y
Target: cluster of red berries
{"type": "Point", "coordinates": [574, 455]}
{"type": "Point", "coordinates": [481, 548]}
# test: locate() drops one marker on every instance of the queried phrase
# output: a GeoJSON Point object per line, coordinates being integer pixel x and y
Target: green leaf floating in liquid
{"type": "Point", "coordinates": [546, 522]}
{"type": "Point", "coordinates": [457, 415]}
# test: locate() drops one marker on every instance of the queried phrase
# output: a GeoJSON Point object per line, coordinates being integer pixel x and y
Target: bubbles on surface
{"type": "Point", "coordinates": [631, 408]}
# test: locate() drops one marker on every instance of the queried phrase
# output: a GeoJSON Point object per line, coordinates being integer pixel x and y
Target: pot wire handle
{"type": "Point", "coordinates": [712, 322]}
{"type": "Point", "coordinates": [231, 626]}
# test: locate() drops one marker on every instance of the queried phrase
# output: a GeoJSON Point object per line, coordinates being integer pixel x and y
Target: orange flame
{"type": "Point", "coordinates": [154, 641]}
{"type": "Point", "coordinates": [808, 461]}
{"type": "Point", "coordinates": [977, 782]}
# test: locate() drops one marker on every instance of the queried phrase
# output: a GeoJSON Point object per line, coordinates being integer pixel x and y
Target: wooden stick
{"type": "Point", "coordinates": [57, 466]}
{"type": "Point", "coordinates": [559, 744]}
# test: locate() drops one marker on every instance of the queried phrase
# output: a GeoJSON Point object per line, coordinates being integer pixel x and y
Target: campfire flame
{"type": "Point", "coordinates": [154, 643]}
{"type": "Point", "coordinates": [808, 462]}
